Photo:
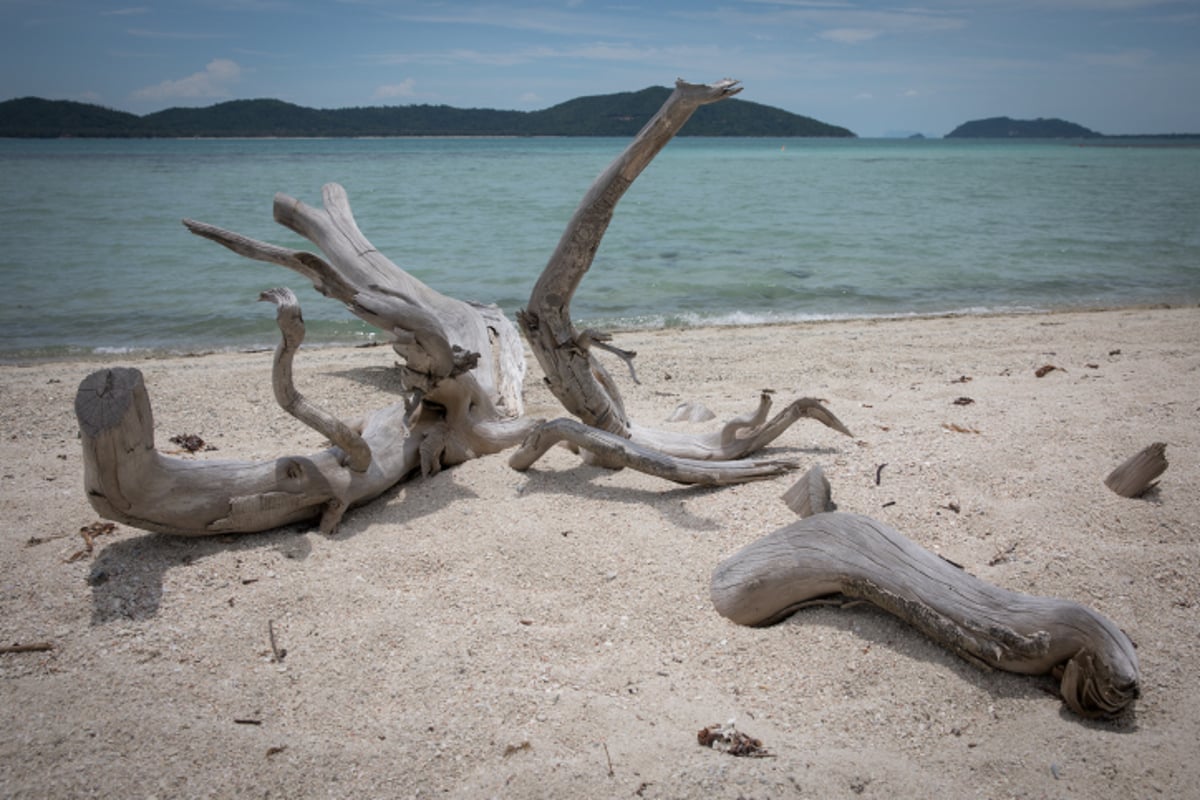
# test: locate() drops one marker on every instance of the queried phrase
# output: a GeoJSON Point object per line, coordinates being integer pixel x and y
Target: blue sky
{"type": "Point", "coordinates": [878, 68]}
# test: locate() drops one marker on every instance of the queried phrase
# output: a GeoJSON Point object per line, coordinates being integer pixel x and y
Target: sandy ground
{"type": "Point", "coordinates": [549, 634]}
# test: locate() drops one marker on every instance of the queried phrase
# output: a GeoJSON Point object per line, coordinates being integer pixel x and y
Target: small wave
{"type": "Point", "coordinates": [742, 319]}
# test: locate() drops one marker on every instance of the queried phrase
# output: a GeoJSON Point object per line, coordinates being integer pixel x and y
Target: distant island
{"type": "Point", "coordinates": [1008, 128]}
{"type": "Point", "coordinates": [621, 114]}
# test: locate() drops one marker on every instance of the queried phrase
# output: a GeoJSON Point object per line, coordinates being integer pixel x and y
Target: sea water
{"type": "Point", "coordinates": [715, 231]}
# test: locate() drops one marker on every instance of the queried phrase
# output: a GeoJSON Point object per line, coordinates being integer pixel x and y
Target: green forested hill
{"type": "Point", "coordinates": [1007, 128]}
{"type": "Point", "coordinates": [620, 114]}
{"type": "Point", "coordinates": [34, 117]}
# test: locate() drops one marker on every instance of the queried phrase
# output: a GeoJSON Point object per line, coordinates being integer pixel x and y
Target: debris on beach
{"type": "Point", "coordinates": [89, 534]}
{"type": "Point", "coordinates": [32, 647]}
{"type": "Point", "coordinates": [191, 442]}
{"type": "Point", "coordinates": [1139, 473]}
{"type": "Point", "coordinates": [510, 749]}
{"type": "Point", "coordinates": [1046, 369]}
{"type": "Point", "coordinates": [727, 739]}
{"type": "Point", "coordinates": [1003, 556]}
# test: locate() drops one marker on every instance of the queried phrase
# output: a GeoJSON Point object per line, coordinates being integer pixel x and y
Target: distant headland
{"type": "Point", "coordinates": [621, 114]}
{"type": "Point", "coordinates": [1008, 128]}
{"type": "Point", "coordinates": [1042, 128]}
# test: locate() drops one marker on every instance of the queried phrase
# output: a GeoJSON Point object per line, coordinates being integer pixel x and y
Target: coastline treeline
{"type": "Point", "coordinates": [621, 114]}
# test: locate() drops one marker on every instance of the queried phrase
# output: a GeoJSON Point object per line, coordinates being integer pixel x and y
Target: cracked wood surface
{"type": "Point", "coordinates": [835, 554]}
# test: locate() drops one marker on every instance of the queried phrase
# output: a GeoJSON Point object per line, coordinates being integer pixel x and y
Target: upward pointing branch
{"type": "Point", "coordinates": [576, 379]}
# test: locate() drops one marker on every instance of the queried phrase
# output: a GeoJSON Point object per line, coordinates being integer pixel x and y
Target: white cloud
{"type": "Point", "coordinates": [214, 81]}
{"type": "Point", "coordinates": [850, 35]}
{"type": "Point", "coordinates": [125, 12]}
{"type": "Point", "coordinates": [390, 91]}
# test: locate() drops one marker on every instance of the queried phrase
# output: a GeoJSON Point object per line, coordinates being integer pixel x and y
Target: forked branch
{"type": "Point", "coordinates": [291, 326]}
{"type": "Point", "coordinates": [610, 449]}
{"type": "Point", "coordinates": [580, 381]}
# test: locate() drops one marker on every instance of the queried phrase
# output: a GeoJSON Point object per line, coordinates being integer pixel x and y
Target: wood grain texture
{"type": "Point", "coordinates": [859, 558]}
{"type": "Point", "coordinates": [1139, 473]}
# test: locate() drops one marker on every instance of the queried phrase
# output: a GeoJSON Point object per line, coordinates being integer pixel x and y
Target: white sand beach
{"type": "Point", "coordinates": [491, 633]}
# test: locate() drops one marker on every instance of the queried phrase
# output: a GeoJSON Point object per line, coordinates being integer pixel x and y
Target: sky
{"type": "Point", "coordinates": [877, 68]}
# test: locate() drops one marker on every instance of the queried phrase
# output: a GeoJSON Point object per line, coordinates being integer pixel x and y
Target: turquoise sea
{"type": "Point", "coordinates": [95, 259]}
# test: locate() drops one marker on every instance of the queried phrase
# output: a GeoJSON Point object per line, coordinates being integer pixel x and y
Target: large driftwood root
{"type": "Point", "coordinates": [834, 553]}
{"type": "Point", "coordinates": [462, 370]}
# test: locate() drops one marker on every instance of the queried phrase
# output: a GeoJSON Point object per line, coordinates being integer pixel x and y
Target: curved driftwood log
{"type": "Point", "coordinates": [858, 558]}
{"type": "Point", "coordinates": [573, 374]}
{"type": "Point", "coordinates": [129, 481]}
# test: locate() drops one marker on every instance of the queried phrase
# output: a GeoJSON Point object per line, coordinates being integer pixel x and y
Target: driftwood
{"type": "Point", "coordinates": [575, 376]}
{"type": "Point", "coordinates": [462, 372]}
{"type": "Point", "coordinates": [129, 481]}
{"type": "Point", "coordinates": [810, 495]}
{"type": "Point", "coordinates": [1138, 474]}
{"type": "Point", "coordinates": [851, 557]}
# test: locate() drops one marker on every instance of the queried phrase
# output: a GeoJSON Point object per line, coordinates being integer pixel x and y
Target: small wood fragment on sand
{"type": "Point", "coordinates": [811, 494]}
{"type": "Point", "coordinates": [32, 647]}
{"type": "Point", "coordinates": [277, 653]}
{"type": "Point", "coordinates": [1139, 473]}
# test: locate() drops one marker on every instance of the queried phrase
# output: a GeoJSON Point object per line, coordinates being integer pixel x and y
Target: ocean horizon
{"type": "Point", "coordinates": [714, 232]}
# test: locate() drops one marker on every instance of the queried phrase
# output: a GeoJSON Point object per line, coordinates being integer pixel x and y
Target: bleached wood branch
{"type": "Point", "coordinates": [574, 375]}
{"type": "Point", "coordinates": [852, 557]}
{"type": "Point", "coordinates": [610, 449]}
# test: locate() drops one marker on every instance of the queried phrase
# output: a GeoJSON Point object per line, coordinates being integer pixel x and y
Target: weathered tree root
{"type": "Point", "coordinates": [579, 380]}
{"type": "Point", "coordinates": [462, 373]}
{"type": "Point", "coordinates": [857, 558]}
{"type": "Point", "coordinates": [612, 449]}
{"type": "Point", "coordinates": [129, 481]}
{"type": "Point", "coordinates": [740, 436]}
{"type": "Point", "coordinates": [573, 375]}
